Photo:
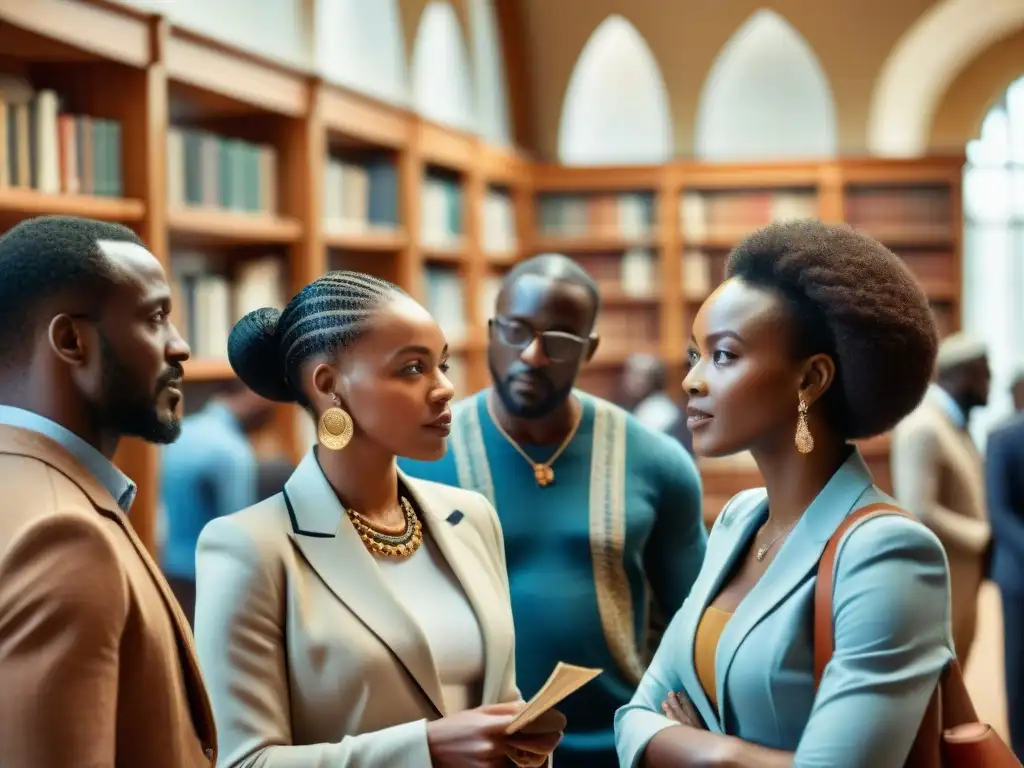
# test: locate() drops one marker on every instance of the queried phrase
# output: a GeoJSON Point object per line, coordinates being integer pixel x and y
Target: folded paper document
{"type": "Point", "coordinates": [565, 679]}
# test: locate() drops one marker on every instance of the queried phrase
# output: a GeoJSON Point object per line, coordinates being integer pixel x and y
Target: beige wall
{"type": "Point", "coordinates": [851, 38]}
{"type": "Point", "coordinates": [975, 90]}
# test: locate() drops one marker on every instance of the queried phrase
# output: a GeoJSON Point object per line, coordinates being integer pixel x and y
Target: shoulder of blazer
{"type": "Point", "coordinates": [263, 527]}
{"type": "Point", "coordinates": [740, 507]}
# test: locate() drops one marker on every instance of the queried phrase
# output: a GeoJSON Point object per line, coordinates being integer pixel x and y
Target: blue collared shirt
{"type": "Point", "coordinates": [211, 470]}
{"type": "Point", "coordinates": [950, 406]}
{"type": "Point", "coordinates": [110, 477]}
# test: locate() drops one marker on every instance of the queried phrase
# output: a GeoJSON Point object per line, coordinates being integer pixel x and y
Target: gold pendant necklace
{"type": "Point", "coordinates": [763, 549]}
{"type": "Point", "coordinates": [542, 471]}
{"type": "Point", "coordinates": [386, 544]}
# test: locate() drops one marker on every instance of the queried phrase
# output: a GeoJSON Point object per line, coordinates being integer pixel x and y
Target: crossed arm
{"type": "Point", "coordinates": [891, 627]}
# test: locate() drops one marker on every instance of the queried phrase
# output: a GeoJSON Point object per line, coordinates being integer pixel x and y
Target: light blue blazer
{"type": "Point", "coordinates": [892, 635]}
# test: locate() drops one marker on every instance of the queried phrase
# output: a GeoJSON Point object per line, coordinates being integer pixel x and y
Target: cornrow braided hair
{"type": "Point", "coordinates": [268, 347]}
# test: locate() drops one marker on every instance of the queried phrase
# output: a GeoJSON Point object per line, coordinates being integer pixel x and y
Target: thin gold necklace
{"type": "Point", "coordinates": [763, 549]}
{"type": "Point", "coordinates": [542, 472]}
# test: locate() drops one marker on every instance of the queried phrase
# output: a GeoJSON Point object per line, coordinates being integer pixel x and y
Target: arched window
{"type": "Point", "coordinates": [766, 97]}
{"type": "Point", "coordinates": [994, 246]}
{"type": "Point", "coordinates": [360, 45]}
{"type": "Point", "coordinates": [616, 108]}
{"type": "Point", "coordinates": [442, 78]}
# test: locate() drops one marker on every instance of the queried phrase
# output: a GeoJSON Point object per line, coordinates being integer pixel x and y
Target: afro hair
{"type": "Point", "coordinates": [856, 301]}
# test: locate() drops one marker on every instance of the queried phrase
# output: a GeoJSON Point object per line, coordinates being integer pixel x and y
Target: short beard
{"type": "Point", "coordinates": [538, 410]}
{"type": "Point", "coordinates": [125, 409]}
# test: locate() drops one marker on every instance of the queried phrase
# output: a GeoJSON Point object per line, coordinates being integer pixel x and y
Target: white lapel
{"type": "Point", "coordinates": [468, 556]}
{"type": "Point", "coordinates": [324, 535]}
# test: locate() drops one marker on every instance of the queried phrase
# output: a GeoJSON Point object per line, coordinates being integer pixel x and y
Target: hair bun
{"type": "Point", "coordinates": [254, 354]}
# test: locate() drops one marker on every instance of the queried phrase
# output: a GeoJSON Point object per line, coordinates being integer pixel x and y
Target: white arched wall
{"type": "Point", "coordinates": [442, 81]}
{"type": "Point", "coordinates": [616, 108]}
{"type": "Point", "coordinates": [491, 92]}
{"type": "Point", "coordinates": [924, 62]}
{"type": "Point", "coordinates": [766, 97]}
{"type": "Point", "coordinates": [359, 44]}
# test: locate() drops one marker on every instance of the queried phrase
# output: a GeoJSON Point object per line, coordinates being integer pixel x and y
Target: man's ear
{"type": "Point", "coordinates": [65, 336]}
{"type": "Point", "coordinates": [592, 346]}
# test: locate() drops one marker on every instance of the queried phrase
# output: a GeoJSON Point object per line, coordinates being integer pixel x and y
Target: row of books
{"type": "Point", "coordinates": [44, 148]}
{"type": "Point", "coordinates": [360, 197]}
{"type": "Point", "coordinates": [634, 273]}
{"type": "Point", "coordinates": [207, 301]}
{"type": "Point", "coordinates": [923, 211]}
{"type": "Point", "coordinates": [205, 170]}
{"type": "Point", "coordinates": [629, 216]}
{"type": "Point", "coordinates": [442, 214]}
{"type": "Point", "coordinates": [363, 197]}
{"type": "Point", "coordinates": [730, 215]}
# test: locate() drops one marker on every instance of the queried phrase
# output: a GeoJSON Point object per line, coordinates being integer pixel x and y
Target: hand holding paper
{"type": "Point", "coordinates": [564, 680]}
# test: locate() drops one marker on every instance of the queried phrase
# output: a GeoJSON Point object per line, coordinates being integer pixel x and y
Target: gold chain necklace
{"type": "Point", "coordinates": [385, 544]}
{"type": "Point", "coordinates": [763, 549]}
{"type": "Point", "coordinates": [542, 472]}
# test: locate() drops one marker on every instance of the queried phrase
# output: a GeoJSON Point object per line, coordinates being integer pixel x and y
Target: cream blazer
{"type": "Point", "coordinates": [310, 659]}
{"type": "Point", "coordinates": [938, 475]}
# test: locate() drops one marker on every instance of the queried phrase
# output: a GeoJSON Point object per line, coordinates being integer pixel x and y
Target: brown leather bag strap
{"type": "Point", "coordinates": [951, 704]}
{"type": "Point", "coordinates": [824, 640]}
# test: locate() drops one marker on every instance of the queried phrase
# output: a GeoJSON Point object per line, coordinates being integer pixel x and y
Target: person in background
{"type": "Point", "coordinates": [210, 471]}
{"type": "Point", "coordinates": [360, 618]}
{"type": "Point", "coordinates": [1017, 390]}
{"type": "Point", "coordinates": [97, 666]}
{"type": "Point", "coordinates": [818, 336]}
{"type": "Point", "coordinates": [645, 391]}
{"type": "Point", "coordinates": [598, 511]}
{"type": "Point", "coordinates": [1004, 471]}
{"type": "Point", "coordinates": [937, 474]}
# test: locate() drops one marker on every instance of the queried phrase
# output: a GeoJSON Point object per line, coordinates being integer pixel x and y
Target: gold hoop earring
{"type": "Point", "coordinates": [335, 428]}
{"type": "Point", "coordinates": [804, 439]}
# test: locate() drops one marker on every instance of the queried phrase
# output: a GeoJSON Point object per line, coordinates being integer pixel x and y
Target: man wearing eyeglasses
{"type": "Point", "coordinates": [599, 513]}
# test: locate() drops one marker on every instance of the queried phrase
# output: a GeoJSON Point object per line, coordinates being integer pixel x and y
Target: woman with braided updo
{"type": "Point", "coordinates": [818, 336]}
{"type": "Point", "coordinates": [360, 618]}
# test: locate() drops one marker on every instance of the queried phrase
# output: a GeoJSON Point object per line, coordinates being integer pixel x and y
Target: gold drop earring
{"type": "Point", "coordinates": [335, 428]}
{"type": "Point", "coordinates": [804, 439]}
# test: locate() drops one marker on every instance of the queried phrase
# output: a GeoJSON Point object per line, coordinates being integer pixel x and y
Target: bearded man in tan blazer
{"type": "Point", "coordinates": [937, 474]}
{"type": "Point", "coordinates": [97, 666]}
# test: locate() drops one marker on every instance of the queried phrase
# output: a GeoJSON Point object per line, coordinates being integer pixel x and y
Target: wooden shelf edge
{"type": "Point", "coordinates": [232, 226]}
{"type": "Point", "coordinates": [29, 202]}
{"type": "Point", "coordinates": [443, 255]}
{"type": "Point", "coordinates": [208, 369]}
{"type": "Point", "coordinates": [367, 242]}
{"type": "Point", "coordinates": [106, 31]}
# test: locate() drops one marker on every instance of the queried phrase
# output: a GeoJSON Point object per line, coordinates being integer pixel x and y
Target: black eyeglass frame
{"type": "Point", "coordinates": [546, 339]}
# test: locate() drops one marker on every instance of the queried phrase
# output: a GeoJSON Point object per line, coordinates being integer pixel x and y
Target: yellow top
{"type": "Point", "coordinates": [705, 643]}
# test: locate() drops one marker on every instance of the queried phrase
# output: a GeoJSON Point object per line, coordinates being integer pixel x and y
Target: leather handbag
{"type": "Point", "coordinates": [950, 735]}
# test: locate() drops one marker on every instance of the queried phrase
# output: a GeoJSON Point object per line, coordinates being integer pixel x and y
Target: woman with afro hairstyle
{"type": "Point", "coordinates": [360, 618]}
{"type": "Point", "coordinates": [818, 336]}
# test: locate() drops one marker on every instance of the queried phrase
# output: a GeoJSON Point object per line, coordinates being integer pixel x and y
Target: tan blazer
{"type": "Point", "coordinates": [310, 658]}
{"type": "Point", "coordinates": [937, 474]}
{"type": "Point", "coordinates": [97, 667]}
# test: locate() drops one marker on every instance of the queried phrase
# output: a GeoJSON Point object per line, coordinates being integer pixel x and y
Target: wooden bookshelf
{"type": "Point", "coordinates": [343, 181]}
{"type": "Point", "coordinates": [702, 211]}
{"type": "Point", "coordinates": [270, 143]}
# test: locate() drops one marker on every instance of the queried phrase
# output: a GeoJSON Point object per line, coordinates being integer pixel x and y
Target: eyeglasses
{"type": "Point", "coordinates": [558, 346]}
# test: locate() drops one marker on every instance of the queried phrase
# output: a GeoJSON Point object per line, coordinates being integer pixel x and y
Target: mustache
{"type": "Point", "coordinates": [172, 375]}
{"type": "Point", "coordinates": [521, 371]}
